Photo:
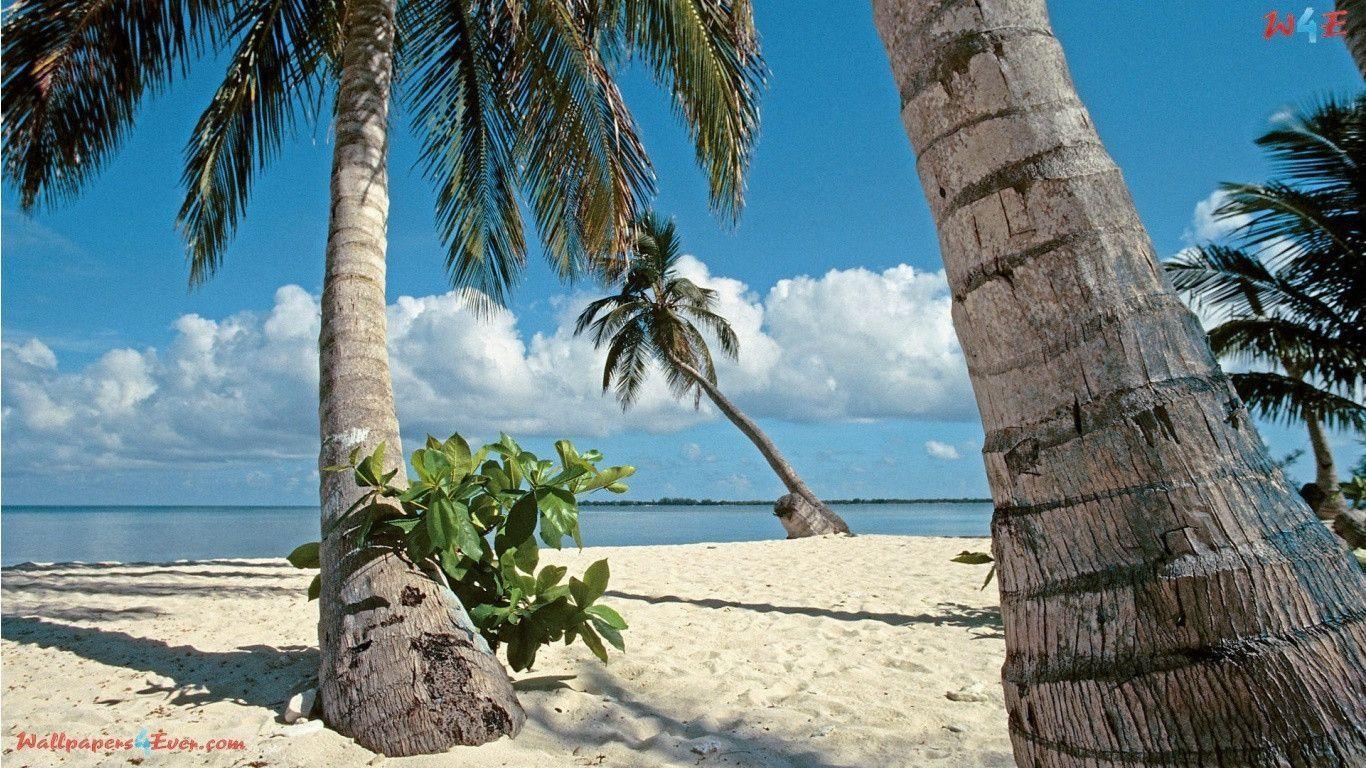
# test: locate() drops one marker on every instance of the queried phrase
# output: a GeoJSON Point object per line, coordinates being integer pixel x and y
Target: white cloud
{"type": "Point", "coordinates": [850, 345]}
{"type": "Point", "coordinates": [1205, 227]}
{"type": "Point", "coordinates": [943, 451]}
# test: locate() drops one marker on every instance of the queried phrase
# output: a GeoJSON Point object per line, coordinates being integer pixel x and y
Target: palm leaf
{"type": "Point", "coordinates": [706, 53]}
{"type": "Point", "coordinates": [1289, 400]}
{"type": "Point", "coordinates": [74, 73]}
{"type": "Point", "coordinates": [460, 110]}
{"type": "Point", "coordinates": [275, 73]}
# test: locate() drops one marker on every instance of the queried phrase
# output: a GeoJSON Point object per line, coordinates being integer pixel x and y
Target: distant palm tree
{"type": "Point", "coordinates": [1293, 296]}
{"type": "Point", "coordinates": [655, 317]}
{"type": "Point", "coordinates": [510, 100]}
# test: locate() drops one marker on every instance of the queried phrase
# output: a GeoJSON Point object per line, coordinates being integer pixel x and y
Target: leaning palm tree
{"type": "Point", "coordinates": [1167, 598]}
{"type": "Point", "coordinates": [1292, 296]}
{"type": "Point", "coordinates": [654, 316]}
{"type": "Point", "coordinates": [511, 101]}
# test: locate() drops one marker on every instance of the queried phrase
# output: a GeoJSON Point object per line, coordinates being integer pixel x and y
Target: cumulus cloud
{"type": "Point", "coordinates": [1205, 227]}
{"type": "Point", "coordinates": [943, 451]}
{"type": "Point", "coordinates": [849, 345]}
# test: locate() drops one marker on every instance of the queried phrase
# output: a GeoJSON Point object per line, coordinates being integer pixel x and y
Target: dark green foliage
{"type": "Point", "coordinates": [515, 104]}
{"type": "Point", "coordinates": [655, 315]}
{"type": "Point", "coordinates": [1291, 286]}
{"type": "Point", "coordinates": [472, 521]}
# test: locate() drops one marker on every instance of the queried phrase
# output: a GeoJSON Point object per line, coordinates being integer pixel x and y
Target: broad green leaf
{"type": "Point", "coordinates": [595, 580]}
{"type": "Point", "coordinates": [419, 543]}
{"type": "Point", "coordinates": [315, 587]}
{"type": "Point", "coordinates": [607, 614]}
{"type": "Point", "coordinates": [521, 522]}
{"type": "Point", "coordinates": [610, 634]}
{"type": "Point", "coordinates": [607, 477]}
{"type": "Point", "coordinates": [972, 558]}
{"type": "Point", "coordinates": [594, 643]}
{"type": "Point", "coordinates": [457, 452]}
{"type": "Point", "coordinates": [441, 523]}
{"type": "Point", "coordinates": [568, 456]}
{"type": "Point", "coordinates": [305, 556]}
{"type": "Point", "coordinates": [522, 647]}
{"type": "Point", "coordinates": [549, 577]}
{"type": "Point", "coordinates": [526, 555]}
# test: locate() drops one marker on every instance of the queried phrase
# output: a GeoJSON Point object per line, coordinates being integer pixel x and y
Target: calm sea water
{"type": "Point", "coordinates": [141, 534]}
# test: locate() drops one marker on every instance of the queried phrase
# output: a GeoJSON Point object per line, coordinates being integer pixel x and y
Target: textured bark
{"type": "Point", "coordinates": [801, 518]}
{"type": "Point", "coordinates": [1356, 31]}
{"type": "Point", "coordinates": [816, 520]}
{"type": "Point", "coordinates": [1351, 526]}
{"type": "Point", "coordinates": [1325, 473]}
{"type": "Point", "coordinates": [403, 670]}
{"type": "Point", "coordinates": [1167, 598]}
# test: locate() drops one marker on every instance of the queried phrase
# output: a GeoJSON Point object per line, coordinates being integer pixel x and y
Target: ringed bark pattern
{"type": "Point", "coordinates": [1167, 597]}
{"type": "Point", "coordinates": [403, 670]}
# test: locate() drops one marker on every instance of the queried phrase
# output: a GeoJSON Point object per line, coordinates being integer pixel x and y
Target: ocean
{"type": "Point", "coordinates": [160, 534]}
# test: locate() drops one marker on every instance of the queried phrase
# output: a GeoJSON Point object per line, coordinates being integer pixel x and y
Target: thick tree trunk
{"type": "Point", "coordinates": [1356, 31]}
{"type": "Point", "coordinates": [1167, 599]}
{"type": "Point", "coordinates": [816, 519]}
{"type": "Point", "coordinates": [1325, 473]}
{"type": "Point", "coordinates": [403, 671]}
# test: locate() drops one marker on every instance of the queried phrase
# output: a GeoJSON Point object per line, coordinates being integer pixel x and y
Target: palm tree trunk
{"type": "Point", "coordinates": [822, 520]}
{"type": "Point", "coordinates": [403, 671]}
{"type": "Point", "coordinates": [1325, 472]}
{"type": "Point", "coordinates": [1167, 599]}
{"type": "Point", "coordinates": [1356, 31]}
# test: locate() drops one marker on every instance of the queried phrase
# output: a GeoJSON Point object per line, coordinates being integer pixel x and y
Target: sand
{"type": "Point", "coordinates": [822, 652]}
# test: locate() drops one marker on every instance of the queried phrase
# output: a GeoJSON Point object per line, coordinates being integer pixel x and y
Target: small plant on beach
{"type": "Point", "coordinates": [977, 558]}
{"type": "Point", "coordinates": [471, 521]}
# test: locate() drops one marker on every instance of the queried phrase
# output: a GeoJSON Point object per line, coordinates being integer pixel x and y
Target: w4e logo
{"type": "Point", "coordinates": [1334, 24]}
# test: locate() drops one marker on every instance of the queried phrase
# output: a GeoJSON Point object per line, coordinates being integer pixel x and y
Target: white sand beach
{"type": "Point", "coordinates": [817, 652]}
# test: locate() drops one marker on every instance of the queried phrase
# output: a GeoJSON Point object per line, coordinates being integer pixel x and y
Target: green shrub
{"type": "Point", "coordinates": [472, 521]}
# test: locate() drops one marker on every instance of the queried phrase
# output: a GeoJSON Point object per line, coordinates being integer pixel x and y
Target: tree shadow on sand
{"type": "Point", "coordinates": [254, 675]}
{"type": "Point", "coordinates": [675, 738]}
{"type": "Point", "coordinates": [952, 614]}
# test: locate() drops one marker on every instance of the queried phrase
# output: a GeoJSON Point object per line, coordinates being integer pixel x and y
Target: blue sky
{"type": "Point", "coordinates": [164, 395]}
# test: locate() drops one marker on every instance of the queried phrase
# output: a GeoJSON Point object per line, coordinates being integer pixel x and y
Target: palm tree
{"type": "Point", "coordinates": [1160, 584]}
{"type": "Point", "coordinates": [1294, 295]}
{"type": "Point", "coordinates": [1355, 33]}
{"type": "Point", "coordinates": [510, 100]}
{"type": "Point", "coordinates": [654, 316]}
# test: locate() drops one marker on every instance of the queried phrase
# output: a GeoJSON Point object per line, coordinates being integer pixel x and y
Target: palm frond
{"type": "Point", "coordinates": [1320, 147]}
{"type": "Point", "coordinates": [720, 328]}
{"type": "Point", "coordinates": [1288, 400]}
{"type": "Point", "coordinates": [1282, 219]}
{"type": "Point", "coordinates": [706, 53]}
{"type": "Point", "coordinates": [74, 73]}
{"type": "Point", "coordinates": [1303, 350]}
{"type": "Point", "coordinates": [585, 170]}
{"type": "Point", "coordinates": [455, 91]}
{"type": "Point", "coordinates": [1240, 284]}
{"type": "Point", "coordinates": [628, 359]}
{"type": "Point", "coordinates": [275, 73]}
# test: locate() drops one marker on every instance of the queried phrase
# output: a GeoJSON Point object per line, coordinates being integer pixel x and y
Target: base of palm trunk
{"type": "Point", "coordinates": [405, 672]}
{"type": "Point", "coordinates": [801, 518]}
